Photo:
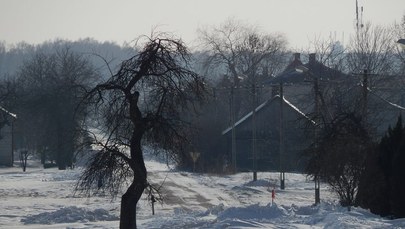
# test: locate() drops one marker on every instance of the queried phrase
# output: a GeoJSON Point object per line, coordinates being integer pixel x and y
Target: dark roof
{"type": "Point", "coordinates": [323, 72]}
{"type": "Point", "coordinates": [294, 64]}
{"type": "Point", "coordinates": [315, 69]}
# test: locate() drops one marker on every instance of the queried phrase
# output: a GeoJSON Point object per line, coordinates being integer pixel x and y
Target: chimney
{"type": "Point", "coordinates": [312, 58]}
{"type": "Point", "coordinates": [297, 56]}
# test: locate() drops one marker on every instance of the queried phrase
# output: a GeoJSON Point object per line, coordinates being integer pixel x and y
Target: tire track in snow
{"type": "Point", "coordinates": [176, 192]}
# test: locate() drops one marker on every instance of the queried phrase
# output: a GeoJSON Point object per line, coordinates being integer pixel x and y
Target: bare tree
{"type": "Point", "coordinates": [142, 102]}
{"type": "Point", "coordinates": [330, 52]}
{"type": "Point", "coordinates": [24, 154]}
{"type": "Point", "coordinates": [399, 31]}
{"type": "Point", "coordinates": [50, 87]}
{"type": "Point", "coordinates": [243, 49]}
{"type": "Point", "coordinates": [243, 53]}
{"type": "Point", "coordinates": [339, 153]}
{"type": "Point", "coordinates": [372, 49]}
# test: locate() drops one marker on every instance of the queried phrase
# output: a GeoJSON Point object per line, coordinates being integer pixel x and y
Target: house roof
{"type": "Point", "coordinates": [385, 101]}
{"type": "Point", "coordinates": [260, 107]}
{"type": "Point", "coordinates": [294, 64]}
{"type": "Point", "coordinates": [8, 112]}
{"type": "Point", "coordinates": [315, 69]}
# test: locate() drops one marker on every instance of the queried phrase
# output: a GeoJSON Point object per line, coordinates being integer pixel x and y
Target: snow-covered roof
{"type": "Point", "coordinates": [8, 112]}
{"type": "Point", "coordinates": [384, 100]}
{"type": "Point", "coordinates": [245, 117]}
{"type": "Point", "coordinates": [263, 105]}
{"type": "Point", "coordinates": [298, 110]}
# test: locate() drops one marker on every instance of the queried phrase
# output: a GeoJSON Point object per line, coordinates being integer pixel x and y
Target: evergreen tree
{"type": "Point", "coordinates": [388, 145]}
{"type": "Point", "coordinates": [382, 186]}
{"type": "Point", "coordinates": [373, 189]}
{"type": "Point", "coordinates": [397, 172]}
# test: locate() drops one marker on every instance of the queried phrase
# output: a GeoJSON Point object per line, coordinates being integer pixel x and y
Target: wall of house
{"type": "Point", "coordinates": [268, 140]}
{"type": "Point", "coordinates": [6, 157]}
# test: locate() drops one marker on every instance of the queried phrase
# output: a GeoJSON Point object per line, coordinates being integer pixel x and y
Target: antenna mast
{"type": "Point", "coordinates": [359, 19]}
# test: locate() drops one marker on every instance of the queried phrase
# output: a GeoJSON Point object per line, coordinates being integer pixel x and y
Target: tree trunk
{"type": "Point", "coordinates": [133, 194]}
{"type": "Point", "coordinates": [128, 204]}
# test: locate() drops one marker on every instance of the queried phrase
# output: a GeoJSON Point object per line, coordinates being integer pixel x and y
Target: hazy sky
{"type": "Point", "coordinates": [35, 21]}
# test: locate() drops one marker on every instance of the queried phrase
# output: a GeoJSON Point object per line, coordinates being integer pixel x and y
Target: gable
{"type": "Point", "coordinates": [269, 111]}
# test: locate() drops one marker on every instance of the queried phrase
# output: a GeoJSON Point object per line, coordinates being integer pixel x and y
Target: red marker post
{"type": "Point", "coordinates": [273, 196]}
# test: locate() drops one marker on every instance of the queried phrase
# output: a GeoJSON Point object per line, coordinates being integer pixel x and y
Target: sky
{"type": "Point", "coordinates": [301, 21]}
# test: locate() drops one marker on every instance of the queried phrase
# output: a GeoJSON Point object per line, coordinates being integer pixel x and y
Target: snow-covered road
{"type": "Point", "coordinates": [44, 199]}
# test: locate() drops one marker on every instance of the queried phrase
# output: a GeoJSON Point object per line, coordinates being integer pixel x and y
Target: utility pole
{"type": "Point", "coordinates": [365, 95]}
{"type": "Point", "coordinates": [254, 133]}
{"type": "Point", "coordinates": [317, 97]}
{"type": "Point", "coordinates": [282, 173]}
{"type": "Point", "coordinates": [231, 89]}
{"type": "Point", "coordinates": [316, 178]}
{"type": "Point", "coordinates": [233, 133]}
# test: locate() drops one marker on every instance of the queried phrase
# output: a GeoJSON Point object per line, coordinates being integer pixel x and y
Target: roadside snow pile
{"type": "Point", "coordinates": [325, 215]}
{"type": "Point", "coordinates": [255, 212]}
{"type": "Point", "coordinates": [69, 215]}
{"type": "Point", "coordinates": [260, 183]}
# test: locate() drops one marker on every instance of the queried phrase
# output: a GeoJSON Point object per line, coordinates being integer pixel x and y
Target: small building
{"type": "Point", "coordinates": [298, 86]}
{"type": "Point", "coordinates": [293, 133]}
{"type": "Point", "coordinates": [268, 123]}
{"type": "Point", "coordinates": [257, 135]}
{"type": "Point", "coordinates": [6, 137]}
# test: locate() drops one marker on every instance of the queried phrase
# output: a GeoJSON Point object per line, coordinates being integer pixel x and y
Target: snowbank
{"type": "Point", "coordinates": [253, 212]}
{"type": "Point", "coordinates": [69, 215]}
{"type": "Point", "coordinates": [190, 201]}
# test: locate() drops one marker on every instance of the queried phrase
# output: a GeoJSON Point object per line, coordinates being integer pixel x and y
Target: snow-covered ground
{"type": "Point", "coordinates": [43, 198]}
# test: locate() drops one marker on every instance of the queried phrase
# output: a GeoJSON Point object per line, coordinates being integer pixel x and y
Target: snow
{"type": "Point", "coordinates": [297, 110]}
{"type": "Point", "coordinates": [43, 198]}
{"type": "Point", "coordinates": [69, 215]}
{"type": "Point", "coordinates": [8, 112]}
{"type": "Point", "coordinates": [246, 117]}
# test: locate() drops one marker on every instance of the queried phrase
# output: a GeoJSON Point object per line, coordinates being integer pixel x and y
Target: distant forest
{"type": "Point", "coordinates": [13, 56]}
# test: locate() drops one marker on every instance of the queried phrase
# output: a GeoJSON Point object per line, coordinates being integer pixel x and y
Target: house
{"type": "Point", "coordinates": [268, 123]}
{"type": "Point", "coordinates": [259, 150]}
{"type": "Point", "coordinates": [380, 106]}
{"type": "Point", "coordinates": [282, 129]}
{"type": "Point", "coordinates": [6, 137]}
{"type": "Point", "coordinates": [298, 86]}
